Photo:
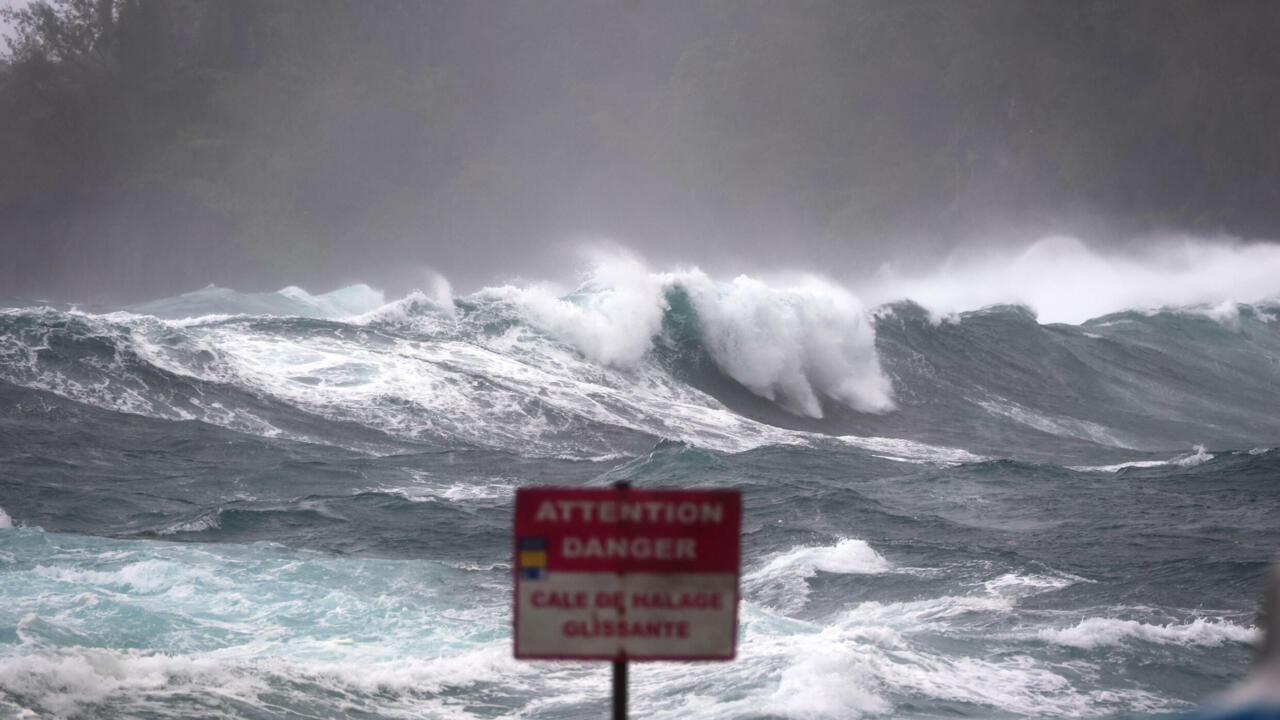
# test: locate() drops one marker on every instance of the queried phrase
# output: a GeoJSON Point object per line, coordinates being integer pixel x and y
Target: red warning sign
{"type": "Point", "coordinates": [626, 574]}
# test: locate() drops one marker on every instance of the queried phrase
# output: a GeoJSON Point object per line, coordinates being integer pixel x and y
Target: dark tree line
{"type": "Point", "coordinates": [152, 146]}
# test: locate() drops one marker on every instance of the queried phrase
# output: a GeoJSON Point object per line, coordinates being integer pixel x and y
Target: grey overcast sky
{"type": "Point", "coordinates": [260, 144]}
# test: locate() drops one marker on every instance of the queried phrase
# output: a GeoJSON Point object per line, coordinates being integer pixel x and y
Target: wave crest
{"type": "Point", "coordinates": [1099, 631]}
{"type": "Point", "coordinates": [795, 344]}
{"type": "Point", "coordinates": [1063, 280]}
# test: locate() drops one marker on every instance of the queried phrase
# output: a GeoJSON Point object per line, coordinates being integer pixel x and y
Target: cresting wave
{"type": "Point", "coordinates": [597, 372]}
{"type": "Point", "coordinates": [632, 356]}
{"type": "Point", "coordinates": [229, 504]}
{"type": "Point", "coordinates": [781, 581]}
{"type": "Point", "coordinates": [792, 344]}
{"type": "Point", "coordinates": [1063, 280]}
{"type": "Point", "coordinates": [1100, 631]}
{"type": "Point", "coordinates": [1198, 456]}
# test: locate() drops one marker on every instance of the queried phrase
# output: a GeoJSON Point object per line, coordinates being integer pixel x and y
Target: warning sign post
{"type": "Point", "coordinates": [626, 574]}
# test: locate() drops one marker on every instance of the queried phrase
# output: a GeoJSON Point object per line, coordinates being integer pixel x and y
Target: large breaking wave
{"type": "Point", "coordinates": [632, 356]}
{"type": "Point", "coordinates": [950, 510]}
{"type": "Point", "coordinates": [1063, 280]}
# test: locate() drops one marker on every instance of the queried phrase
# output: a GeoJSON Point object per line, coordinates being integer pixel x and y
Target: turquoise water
{"type": "Point", "coordinates": [281, 505]}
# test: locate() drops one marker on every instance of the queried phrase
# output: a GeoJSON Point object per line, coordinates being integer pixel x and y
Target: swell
{"type": "Point", "coordinates": [1151, 381]}
{"type": "Point", "coordinates": [997, 382]}
{"type": "Point", "coordinates": [610, 369]}
{"type": "Point", "coordinates": [141, 366]}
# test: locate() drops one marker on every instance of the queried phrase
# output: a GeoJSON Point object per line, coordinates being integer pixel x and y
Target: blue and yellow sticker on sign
{"type": "Point", "coordinates": [533, 558]}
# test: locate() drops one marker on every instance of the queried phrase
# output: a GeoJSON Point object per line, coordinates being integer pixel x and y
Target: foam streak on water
{"type": "Point", "coordinates": [128, 627]}
{"type": "Point", "coordinates": [283, 504]}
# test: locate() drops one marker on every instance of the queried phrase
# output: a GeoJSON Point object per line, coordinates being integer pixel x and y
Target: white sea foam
{"type": "Point", "coordinates": [63, 683]}
{"type": "Point", "coordinates": [910, 451]}
{"type": "Point", "coordinates": [847, 556]}
{"type": "Point", "coordinates": [782, 581]}
{"type": "Point", "coordinates": [1100, 631]}
{"type": "Point", "coordinates": [612, 318]}
{"type": "Point", "coordinates": [6, 522]}
{"type": "Point", "coordinates": [918, 615]}
{"type": "Point", "coordinates": [1121, 466]}
{"type": "Point", "coordinates": [1054, 425]}
{"type": "Point", "coordinates": [520, 390]}
{"type": "Point", "coordinates": [180, 630]}
{"type": "Point", "coordinates": [573, 368]}
{"type": "Point", "coordinates": [208, 521]}
{"type": "Point", "coordinates": [486, 491]}
{"type": "Point", "coordinates": [150, 576]}
{"type": "Point", "coordinates": [233, 627]}
{"type": "Point", "coordinates": [536, 398]}
{"type": "Point", "coordinates": [581, 363]}
{"type": "Point", "coordinates": [824, 682]}
{"type": "Point", "coordinates": [516, 391]}
{"type": "Point", "coordinates": [792, 344]}
{"type": "Point", "coordinates": [1198, 456]}
{"type": "Point", "coordinates": [69, 681]}
{"type": "Point", "coordinates": [430, 489]}
{"type": "Point", "coordinates": [1063, 280]}
{"type": "Point", "coordinates": [1019, 585]}
{"type": "Point", "coordinates": [112, 382]}
{"type": "Point", "coordinates": [803, 671]}
{"type": "Point", "coordinates": [867, 661]}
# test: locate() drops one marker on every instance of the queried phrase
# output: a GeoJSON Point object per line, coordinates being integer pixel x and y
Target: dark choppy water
{"type": "Point", "coordinates": [228, 505]}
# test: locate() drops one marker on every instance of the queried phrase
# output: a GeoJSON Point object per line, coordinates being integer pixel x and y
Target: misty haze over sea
{"type": "Point", "coordinates": [978, 304]}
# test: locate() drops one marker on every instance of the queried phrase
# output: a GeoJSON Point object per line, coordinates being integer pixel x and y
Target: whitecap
{"type": "Point", "coordinates": [1198, 456]}
{"type": "Point", "coordinates": [71, 681]}
{"type": "Point", "coordinates": [782, 581]}
{"type": "Point", "coordinates": [1120, 466]}
{"type": "Point", "coordinates": [860, 666]}
{"type": "Point", "coordinates": [911, 451]}
{"type": "Point", "coordinates": [918, 615]}
{"type": "Point", "coordinates": [429, 491]}
{"type": "Point", "coordinates": [1018, 585]}
{"type": "Point", "coordinates": [1061, 279]}
{"type": "Point", "coordinates": [207, 521]}
{"type": "Point", "coordinates": [793, 343]}
{"type": "Point", "coordinates": [1101, 631]}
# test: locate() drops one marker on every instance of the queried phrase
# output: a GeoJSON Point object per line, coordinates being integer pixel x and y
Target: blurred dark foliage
{"type": "Point", "coordinates": [151, 146]}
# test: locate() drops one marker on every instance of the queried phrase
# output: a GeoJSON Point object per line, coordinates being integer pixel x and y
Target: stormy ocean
{"type": "Point", "coordinates": [262, 505]}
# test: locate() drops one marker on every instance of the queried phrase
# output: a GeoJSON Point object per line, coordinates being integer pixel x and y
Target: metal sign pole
{"type": "Point", "coordinates": [619, 690]}
{"type": "Point", "coordinates": [620, 666]}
